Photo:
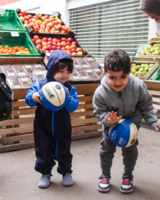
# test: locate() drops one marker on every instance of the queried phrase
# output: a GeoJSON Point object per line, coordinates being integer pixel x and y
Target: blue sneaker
{"type": "Point", "coordinates": [44, 182]}
{"type": "Point", "coordinates": [127, 185]}
{"type": "Point", "coordinates": [104, 184]}
{"type": "Point", "coordinates": [67, 180]}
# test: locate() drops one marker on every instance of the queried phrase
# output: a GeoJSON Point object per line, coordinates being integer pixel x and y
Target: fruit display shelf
{"type": "Point", "coordinates": [147, 51]}
{"type": "Point", "coordinates": [9, 21]}
{"type": "Point", "coordinates": [51, 42]}
{"type": "Point", "coordinates": [144, 70]}
{"type": "Point", "coordinates": [43, 23]}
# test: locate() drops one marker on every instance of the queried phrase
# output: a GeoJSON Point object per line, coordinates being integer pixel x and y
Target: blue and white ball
{"type": "Point", "coordinates": [124, 134]}
{"type": "Point", "coordinates": [53, 96]}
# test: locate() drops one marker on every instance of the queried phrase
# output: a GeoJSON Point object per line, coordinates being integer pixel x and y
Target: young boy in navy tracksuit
{"type": "Point", "coordinates": [52, 130]}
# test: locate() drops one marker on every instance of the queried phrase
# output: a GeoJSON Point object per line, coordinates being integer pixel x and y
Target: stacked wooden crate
{"type": "Point", "coordinates": [17, 131]}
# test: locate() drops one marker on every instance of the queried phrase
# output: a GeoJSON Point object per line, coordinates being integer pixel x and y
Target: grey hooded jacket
{"type": "Point", "coordinates": [133, 102]}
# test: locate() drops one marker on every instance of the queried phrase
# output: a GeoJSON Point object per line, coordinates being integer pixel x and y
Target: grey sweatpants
{"type": "Point", "coordinates": [107, 151]}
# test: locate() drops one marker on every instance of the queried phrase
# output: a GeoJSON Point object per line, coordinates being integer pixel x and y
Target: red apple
{"type": "Point", "coordinates": [44, 48]}
{"type": "Point", "coordinates": [33, 40]}
{"type": "Point", "coordinates": [45, 39]}
{"type": "Point", "coordinates": [26, 18]}
{"type": "Point", "coordinates": [57, 31]}
{"type": "Point", "coordinates": [39, 41]}
{"type": "Point", "coordinates": [80, 53]}
{"type": "Point", "coordinates": [74, 43]}
{"type": "Point", "coordinates": [69, 43]}
{"type": "Point", "coordinates": [35, 17]}
{"type": "Point", "coordinates": [66, 29]}
{"type": "Point", "coordinates": [73, 50]}
{"type": "Point", "coordinates": [35, 37]}
{"type": "Point", "coordinates": [55, 40]}
{"type": "Point", "coordinates": [24, 13]}
{"type": "Point", "coordinates": [54, 43]}
{"type": "Point", "coordinates": [69, 39]}
{"type": "Point", "coordinates": [49, 43]}
{"type": "Point", "coordinates": [39, 46]}
{"type": "Point", "coordinates": [49, 47]}
{"type": "Point", "coordinates": [30, 16]}
{"type": "Point", "coordinates": [36, 28]}
{"type": "Point", "coordinates": [73, 47]}
{"type": "Point", "coordinates": [63, 39]}
{"type": "Point", "coordinates": [58, 48]}
{"type": "Point", "coordinates": [29, 20]}
{"type": "Point", "coordinates": [63, 43]}
{"type": "Point", "coordinates": [59, 45]}
{"type": "Point", "coordinates": [63, 48]}
{"type": "Point", "coordinates": [31, 24]}
{"type": "Point", "coordinates": [78, 49]}
{"type": "Point", "coordinates": [46, 16]}
{"type": "Point", "coordinates": [50, 39]}
{"type": "Point", "coordinates": [54, 47]}
{"type": "Point", "coordinates": [20, 15]}
{"type": "Point", "coordinates": [59, 27]}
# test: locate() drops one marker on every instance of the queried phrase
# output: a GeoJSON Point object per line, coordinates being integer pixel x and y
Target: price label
{"type": "Point", "coordinates": [2, 12]}
{"type": "Point", "coordinates": [15, 34]}
{"type": "Point", "coordinates": [55, 13]}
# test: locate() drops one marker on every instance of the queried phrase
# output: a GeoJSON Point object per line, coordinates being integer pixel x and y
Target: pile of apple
{"type": "Point", "coordinates": [50, 44]}
{"type": "Point", "coordinates": [139, 70]}
{"type": "Point", "coordinates": [151, 50]}
{"type": "Point", "coordinates": [43, 24]}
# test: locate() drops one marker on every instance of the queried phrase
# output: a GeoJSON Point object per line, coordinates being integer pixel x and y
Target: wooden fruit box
{"type": "Point", "coordinates": [154, 40]}
{"type": "Point", "coordinates": [151, 71]}
{"type": "Point", "coordinates": [154, 89]}
{"type": "Point", "coordinates": [17, 132]}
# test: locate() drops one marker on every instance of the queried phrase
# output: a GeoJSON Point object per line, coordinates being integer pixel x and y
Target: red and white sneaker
{"type": "Point", "coordinates": [127, 186]}
{"type": "Point", "coordinates": [104, 184]}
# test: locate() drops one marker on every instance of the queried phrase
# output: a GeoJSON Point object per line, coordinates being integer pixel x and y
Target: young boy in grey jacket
{"type": "Point", "coordinates": [120, 95]}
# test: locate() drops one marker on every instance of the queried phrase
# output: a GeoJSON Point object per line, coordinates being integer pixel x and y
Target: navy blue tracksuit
{"type": "Point", "coordinates": [52, 130]}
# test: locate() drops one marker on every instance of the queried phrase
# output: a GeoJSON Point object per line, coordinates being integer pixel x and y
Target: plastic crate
{"type": "Point", "coordinates": [155, 76]}
{"type": "Point", "coordinates": [22, 40]}
{"type": "Point", "coordinates": [140, 49]}
{"type": "Point", "coordinates": [10, 21]}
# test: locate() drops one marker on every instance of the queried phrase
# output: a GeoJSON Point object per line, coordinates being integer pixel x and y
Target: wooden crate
{"type": "Point", "coordinates": [154, 89]}
{"type": "Point", "coordinates": [17, 131]}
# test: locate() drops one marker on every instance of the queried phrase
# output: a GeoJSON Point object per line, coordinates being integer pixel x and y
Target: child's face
{"type": "Point", "coordinates": [117, 80]}
{"type": "Point", "coordinates": [62, 76]}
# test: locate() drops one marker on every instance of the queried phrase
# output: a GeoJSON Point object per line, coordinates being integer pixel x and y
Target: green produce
{"type": "Point", "coordinates": [140, 70]}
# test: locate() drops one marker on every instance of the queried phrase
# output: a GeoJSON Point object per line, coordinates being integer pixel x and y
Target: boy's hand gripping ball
{"type": "Point", "coordinates": [124, 134]}
{"type": "Point", "coordinates": [53, 96]}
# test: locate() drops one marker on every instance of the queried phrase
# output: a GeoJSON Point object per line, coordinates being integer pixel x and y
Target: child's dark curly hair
{"type": "Point", "coordinates": [117, 60]}
{"type": "Point", "coordinates": [61, 64]}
